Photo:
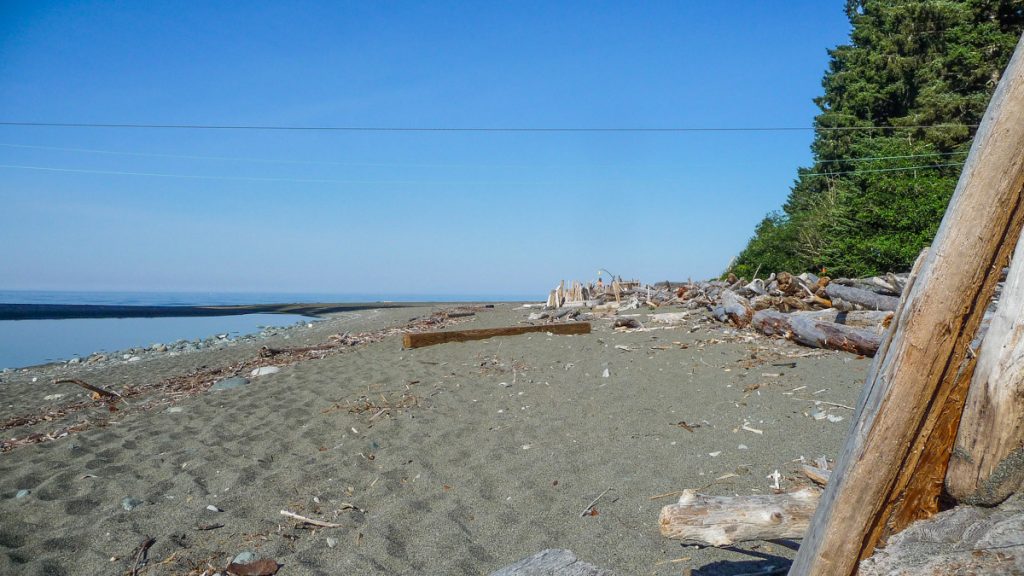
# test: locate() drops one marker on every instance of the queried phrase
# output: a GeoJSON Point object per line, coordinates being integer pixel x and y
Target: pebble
{"type": "Point", "coordinates": [229, 383]}
{"type": "Point", "coordinates": [606, 373]}
{"type": "Point", "coordinates": [74, 360]}
{"type": "Point", "coordinates": [265, 370]}
{"type": "Point", "coordinates": [332, 542]}
{"type": "Point", "coordinates": [213, 508]}
{"type": "Point", "coordinates": [22, 493]}
{"type": "Point", "coordinates": [130, 504]}
{"type": "Point", "coordinates": [53, 397]}
{"type": "Point", "coordinates": [174, 410]}
{"type": "Point", "coordinates": [244, 558]}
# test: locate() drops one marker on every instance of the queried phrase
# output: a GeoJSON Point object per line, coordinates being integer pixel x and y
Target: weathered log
{"type": "Point", "coordinates": [854, 297]}
{"type": "Point", "coordinates": [552, 562]}
{"type": "Point", "coordinates": [723, 520]}
{"type": "Point", "coordinates": [733, 308]}
{"type": "Point", "coordinates": [987, 464]}
{"type": "Point", "coordinates": [817, 475]}
{"type": "Point", "coordinates": [815, 333]}
{"type": "Point", "coordinates": [421, 339]}
{"type": "Point", "coordinates": [875, 320]}
{"type": "Point", "coordinates": [891, 469]}
{"type": "Point", "coordinates": [964, 540]}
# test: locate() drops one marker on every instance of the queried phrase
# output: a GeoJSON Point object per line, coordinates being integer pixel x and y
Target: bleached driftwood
{"type": "Point", "coordinates": [849, 298]}
{"type": "Point", "coordinates": [670, 318]}
{"type": "Point", "coordinates": [733, 308]}
{"type": "Point", "coordinates": [987, 464]}
{"type": "Point", "coordinates": [817, 334]}
{"type": "Point", "coordinates": [875, 320]}
{"type": "Point", "coordinates": [723, 520]}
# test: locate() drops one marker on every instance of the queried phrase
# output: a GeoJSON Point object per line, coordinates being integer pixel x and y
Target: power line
{"type": "Point", "coordinates": [905, 168]}
{"type": "Point", "coordinates": [413, 165]}
{"type": "Point", "coordinates": [477, 128]}
{"type": "Point", "coordinates": [372, 182]}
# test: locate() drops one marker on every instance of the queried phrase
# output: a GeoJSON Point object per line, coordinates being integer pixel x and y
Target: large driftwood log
{"type": "Point", "coordinates": [849, 298]}
{"type": "Point", "coordinates": [892, 466]}
{"type": "Point", "coordinates": [733, 308]}
{"type": "Point", "coordinates": [420, 339]}
{"type": "Point", "coordinates": [875, 320]}
{"type": "Point", "coordinates": [815, 333]}
{"type": "Point", "coordinates": [723, 520]}
{"type": "Point", "coordinates": [987, 464]}
{"type": "Point", "coordinates": [965, 540]}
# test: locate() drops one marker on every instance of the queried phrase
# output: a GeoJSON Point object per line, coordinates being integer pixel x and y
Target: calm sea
{"type": "Point", "coordinates": [31, 342]}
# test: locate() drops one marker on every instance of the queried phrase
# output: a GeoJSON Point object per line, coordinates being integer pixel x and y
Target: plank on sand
{"type": "Point", "coordinates": [421, 339]}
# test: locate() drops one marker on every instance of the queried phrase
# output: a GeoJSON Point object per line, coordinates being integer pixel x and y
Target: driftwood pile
{"type": "Point", "coordinates": [843, 314]}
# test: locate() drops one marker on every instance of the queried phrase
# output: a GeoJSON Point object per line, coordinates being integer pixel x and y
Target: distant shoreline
{"type": "Point", "coordinates": [77, 311]}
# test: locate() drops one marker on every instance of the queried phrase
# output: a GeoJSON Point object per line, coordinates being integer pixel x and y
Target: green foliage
{"type": "Point", "coordinates": [874, 198]}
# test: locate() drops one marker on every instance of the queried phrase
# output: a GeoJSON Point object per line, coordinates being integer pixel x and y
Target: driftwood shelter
{"type": "Point", "coordinates": [940, 421]}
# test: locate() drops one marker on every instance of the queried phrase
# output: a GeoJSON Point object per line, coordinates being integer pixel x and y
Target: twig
{"type": "Point", "coordinates": [673, 561]}
{"type": "Point", "coordinates": [319, 523]}
{"type": "Point", "coordinates": [666, 495]}
{"type": "Point", "coordinates": [591, 505]}
{"type": "Point", "coordinates": [141, 554]}
{"type": "Point", "coordinates": [824, 402]}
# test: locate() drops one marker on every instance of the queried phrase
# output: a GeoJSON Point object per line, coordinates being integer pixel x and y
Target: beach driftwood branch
{"type": "Point", "coordinates": [421, 339]}
{"type": "Point", "coordinates": [891, 469]}
{"type": "Point", "coordinates": [816, 333]}
{"type": "Point", "coordinates": [987, 464]}
{"type": "Point", "coordinates": [311, 521]}
{"type": "Point", "coordinates": [723, 520]}
{"type": "Point", "coordinates": [96, 390]}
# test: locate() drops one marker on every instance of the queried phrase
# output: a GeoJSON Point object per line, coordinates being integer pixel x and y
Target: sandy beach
{"type": "Point", "coordinates": [459, 458]}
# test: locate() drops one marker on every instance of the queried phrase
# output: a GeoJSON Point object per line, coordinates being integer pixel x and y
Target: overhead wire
{"type": "Point", "coordinates": [513, 129]}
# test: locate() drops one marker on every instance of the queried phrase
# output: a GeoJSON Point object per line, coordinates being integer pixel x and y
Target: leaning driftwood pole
{"type": "Point", "coordinates": [421, 339]}
{"type": "Point", "coordinates": [722, 520]}
{"type": "Point", "coordinates": [988, 459]}
{"type": "Point", "coordinates": [894, 461]}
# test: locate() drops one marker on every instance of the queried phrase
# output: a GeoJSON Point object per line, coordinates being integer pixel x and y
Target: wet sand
{"type": "Point", "coordinates": [452, 459]}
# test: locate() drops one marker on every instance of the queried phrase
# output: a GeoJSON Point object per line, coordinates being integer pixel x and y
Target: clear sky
{"type": "Point", "coordinates": [396, 212]}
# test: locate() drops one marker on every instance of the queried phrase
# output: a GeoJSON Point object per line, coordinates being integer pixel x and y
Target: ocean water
{"type": "Point", "coordinates": [31, 342]}
{"type": "Point", "coordinates": [235, 298]}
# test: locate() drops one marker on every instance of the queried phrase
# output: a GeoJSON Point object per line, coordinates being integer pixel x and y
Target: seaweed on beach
{"type": "Point", "coordinates": [171, 390]}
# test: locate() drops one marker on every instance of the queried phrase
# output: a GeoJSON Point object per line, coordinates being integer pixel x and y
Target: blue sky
{"type": "Point", "coordinates": [396, 212]}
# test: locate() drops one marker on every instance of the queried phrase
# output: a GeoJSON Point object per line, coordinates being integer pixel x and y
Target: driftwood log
{"type": "Point", "coordinates": [850, 298]}
{"type": "Point", "coordinates": [893, 463]}
{"type": "Point", "coordinates": [733, 308]}
{"type": "Point", "coordinates": [723, 520]}
{"type": "Point", "coordinates": [421, 339]}
{"type": "Point", "coordinates": [965, 540]}
{"type": "Point", "coordinates": [875, 320]}
{"type": "Point", "coordinates": [815, 333]}
{"type": "Point", "coordinates": [987, 464]}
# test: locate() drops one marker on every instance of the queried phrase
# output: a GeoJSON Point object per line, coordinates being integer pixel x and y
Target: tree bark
{"type": "Point", "coordinates": [733, 309]}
